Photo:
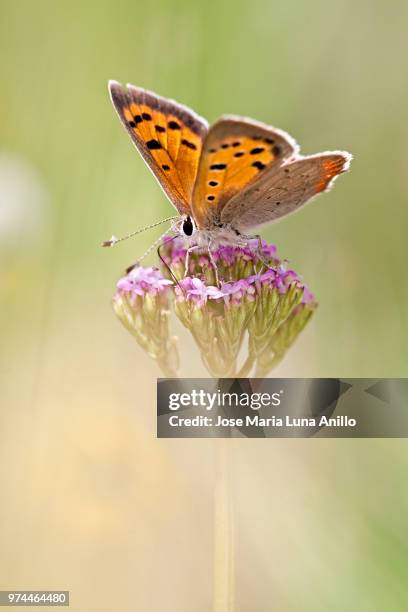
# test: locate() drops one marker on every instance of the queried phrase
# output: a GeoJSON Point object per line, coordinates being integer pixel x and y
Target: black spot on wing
{"type": "Point", "coordinates": [257, 150]}
{"type": "Point", "coordinates": [213, 183]}
{"type": "Point", "coordinates": [239, 154]}
{"type": "Point", "coordinates": [165, 167]}
{"type": "Point", "coordinates": [146, 116]}
{"type": "Point", "coordinates": [160, 129]}
{"type": "Point", "coordinates": [173, 125]}
{"type": "Point", "coordinates": [259, 165]}
{"type": "Point", "coordinates": [218, 166]}
{"type": "Point", "coordinates": [188, 144]}
{"type": "Point", "coordinates": [153, 144]}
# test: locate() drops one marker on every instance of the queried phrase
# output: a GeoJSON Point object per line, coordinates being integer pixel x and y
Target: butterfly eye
{"type": "Point", "coordinates": [188, 226]}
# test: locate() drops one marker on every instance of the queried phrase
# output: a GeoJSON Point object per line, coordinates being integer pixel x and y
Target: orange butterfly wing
{"type": "Point", "coordinates": [168, 135]}
{"type": "Point", "coordinates": [236, 152]}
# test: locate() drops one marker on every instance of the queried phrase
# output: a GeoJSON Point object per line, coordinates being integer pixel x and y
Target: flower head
{"type": "Point", "coordinates": [141, 281]}
{"type": "Point", "coordinates": [258, 304]}
{"type": "Point", "coordinates": [196, 291]}
{"type": "Point", "coordinates": [142, 303]}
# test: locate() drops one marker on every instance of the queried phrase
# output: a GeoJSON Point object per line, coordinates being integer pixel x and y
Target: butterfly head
{"type": "Point", "coordinates": [188, 226]}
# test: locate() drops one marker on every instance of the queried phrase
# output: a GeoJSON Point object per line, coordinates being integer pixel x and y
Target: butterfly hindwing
{"type": "Point", "coordinates": [168, 135]}
{"type": "Point", "coordinates": [236, 152]}
{"type": "Point", "coordinates": [283, 190]}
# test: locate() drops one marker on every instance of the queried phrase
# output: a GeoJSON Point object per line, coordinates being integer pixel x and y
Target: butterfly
{"type": "Point", "coordinates": [226, 179]}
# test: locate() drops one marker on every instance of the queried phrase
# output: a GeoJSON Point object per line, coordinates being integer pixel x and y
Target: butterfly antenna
{"type": "Point", "coordinates": [165, 262]}
{"type": "Point", "coordinates": [146, 253]}
{"type": "Point", "coordinates": [114, 240]}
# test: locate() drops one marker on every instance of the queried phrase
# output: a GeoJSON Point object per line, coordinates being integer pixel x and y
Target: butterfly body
{"type": "Point", "coordinates": [227, 179]}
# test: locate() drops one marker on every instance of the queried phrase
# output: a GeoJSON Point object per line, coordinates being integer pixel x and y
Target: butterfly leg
{"type": "Point", "coordinates": [187, 258]}
{"type": "Point", "coordinates": [213, 263]}
{"type": "Point", "coordinates": [260, 254]}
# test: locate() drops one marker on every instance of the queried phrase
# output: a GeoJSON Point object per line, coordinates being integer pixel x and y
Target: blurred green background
{"type": "Point", "coordinates": [89, 498]}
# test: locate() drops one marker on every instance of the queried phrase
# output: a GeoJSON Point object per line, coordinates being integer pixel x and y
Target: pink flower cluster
{"type": "Point", "coordinates": [195, 290]}
{"type": "Point", "coordinates": [225, 254]}
{"type": "Point", "coordinates": [141, 281]}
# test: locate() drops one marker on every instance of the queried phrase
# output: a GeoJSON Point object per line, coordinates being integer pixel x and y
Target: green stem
{"type": "Point", "coordinates": [223, 531]}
